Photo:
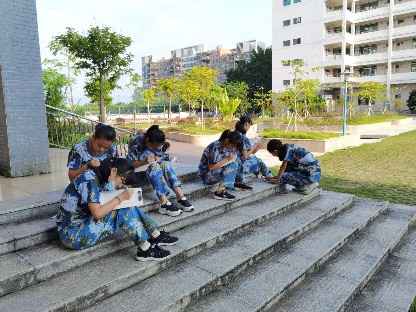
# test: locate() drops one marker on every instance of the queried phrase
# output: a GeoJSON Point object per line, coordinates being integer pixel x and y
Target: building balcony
{"type": "Point", "coordinates": [375, 78]}
{"type": "Point", "coordinates": [403, 55]}
{"type": "Point", "coordinates": [378, 13]}
{"type": "Point", "coordinates": [378, 35]}
{"type": "Point", "coordinates": [400, 78]}
{"type": "Point", "coordinates": [333, 16]}
{"type": "Point", "coordinates": [405, 8]}
{"type": "Point", "coordinates": [332, 80]}
{"type": "Point", "coordinates": [367, 59]}
{"type": "Point", "coordinates": [334, 38]}
{"type": "Point", "coordinates": [404, 31]}
{"type": "Point", "coordinates": [333, 60]}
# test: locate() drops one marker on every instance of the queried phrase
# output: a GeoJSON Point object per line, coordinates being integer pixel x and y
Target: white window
{"type": "Point", "coordinates": [286, 62]}
{"type": "Point", "coordinates": [413, 67]}
{"type": "Point", "coordinates": [297, 41]}
{"type": "Point", "coordinates": [286, 23]}
{"type": "Point", "coordinates": [297, 20]}
{"type": "Point", "coordinates": [286, 43]}
{"type": "Point", "coordinates": [286, 83]}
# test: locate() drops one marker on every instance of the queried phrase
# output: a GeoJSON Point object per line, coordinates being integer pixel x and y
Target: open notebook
{"type": "Point", "coordinates": [135, 200]}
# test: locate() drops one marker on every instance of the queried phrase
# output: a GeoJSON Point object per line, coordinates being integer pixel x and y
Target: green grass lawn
{"type": "Point", "coordinates": [359, 119]}
{"type": "Point", "coordinates": [310, 135]}
{"type": "Point", "coordinates": [384, 170]}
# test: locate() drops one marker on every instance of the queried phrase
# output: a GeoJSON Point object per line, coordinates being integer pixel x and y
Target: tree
{"type": "Point", "coordinates": [135, 84]}
{"type": "Point", "coordinates": [102, 53]}
{"type": "Point", "coordinates": [264, 101]}
{"type": "Point", "coordinates": [227, 106]}
{"type": "Point", "coordinates": [149, 97]}
{"type": "Point", "coordinates": [53, 84]}
{"type": "Point", "coordinates": [257, 73]}
{"type": "Point", "coordinates": [309, 89]}
{"type": "Point", "coordinates": [371, 92]}
{"type": "Point", "coordinates": [411, 102]}
{"type": "Point", "coordinates": [205, 78]}
{"type": "Point", "coordinates": [188, 92]}
{"type": "Point", "coordinates": [99, 92]}
{"type": "Point", "coordinates": [168, 88]}
{"type": "Point", "coordinates": [239, 90]}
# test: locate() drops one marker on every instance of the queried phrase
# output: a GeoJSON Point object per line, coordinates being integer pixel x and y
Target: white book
{"type": "Point", "coordinates": [136, 199]}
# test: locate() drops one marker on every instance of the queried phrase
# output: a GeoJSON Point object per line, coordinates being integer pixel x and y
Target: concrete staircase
{"type": "Point", "coordinates": [261, 252]}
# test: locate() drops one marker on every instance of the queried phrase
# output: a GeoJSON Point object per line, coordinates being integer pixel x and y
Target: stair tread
{"type": "Point", "coordinates": [332, 287]}
{"type": "Point", "coordinates": [392, 289]}
{"type": "Point", "coordinates": [49, 254]}
{"type": "Point", "coordinates": [272, 277]}
{"type": "Point", "coordinates": [215, 264]}
{"type": "Point", "coordinates": [112, 272]}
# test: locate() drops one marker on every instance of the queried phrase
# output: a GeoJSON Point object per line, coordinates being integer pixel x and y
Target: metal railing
{"type": "Point", "coordinates": [65, 129]}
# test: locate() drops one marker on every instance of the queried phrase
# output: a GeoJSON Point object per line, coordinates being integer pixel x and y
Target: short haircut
{"type": "Point", "coordinates": [275, 145]}
{"type": "Point", "coordinates": [105, 132]}
{"type": "Point", "coordinates": [155, 135]}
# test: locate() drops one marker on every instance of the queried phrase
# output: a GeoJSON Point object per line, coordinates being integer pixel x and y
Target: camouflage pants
{"type": "Point", "coordinates": [88, 232]}
{"type": "Point", "coordinates": [253, 165]}
{"type": "Point", "coordinates": [163, 178]}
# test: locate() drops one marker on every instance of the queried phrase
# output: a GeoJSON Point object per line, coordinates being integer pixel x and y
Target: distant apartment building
{"type": "Point", "coordinates": [182, 60]}
{"type": "Point", "coordinates": [373, 39]}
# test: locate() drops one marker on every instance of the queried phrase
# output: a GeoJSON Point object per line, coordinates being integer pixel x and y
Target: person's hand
{"type": "Point", "coordinates": [257, 147]}
{"type": "Point", "coordinates": [126, 195]}
{"type": "Point", "coordinates": [94, 163]}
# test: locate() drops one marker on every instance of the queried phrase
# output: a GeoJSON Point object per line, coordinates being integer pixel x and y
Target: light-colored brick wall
{"type": "Point", "coordinates": [23, 136]}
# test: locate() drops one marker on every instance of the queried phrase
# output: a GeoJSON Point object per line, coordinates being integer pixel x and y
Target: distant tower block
{"type": "Point", "coordinates": [23, 128]}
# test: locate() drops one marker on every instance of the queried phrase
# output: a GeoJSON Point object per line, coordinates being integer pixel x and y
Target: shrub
{"type": "Point", "coordinates": [411, 102]}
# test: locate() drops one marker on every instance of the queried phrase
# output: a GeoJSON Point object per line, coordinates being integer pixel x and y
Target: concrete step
{"type": "Point", "coordinates": [345, 275]}
{"type": "Point", "coordinates": [17, 236]}
{"type": "Point", "coordinates": [94, 281]}
{"type": "Point", "coordinates": [38, 262]}
{"type": "Point", "coordinates": [45, 204]}
{"type": "Point", "coordinates": [266, 282]}
{"type": "Point", "coordinates": [392, 289]}
{"type": "Point", "coordinates": [175, 288]}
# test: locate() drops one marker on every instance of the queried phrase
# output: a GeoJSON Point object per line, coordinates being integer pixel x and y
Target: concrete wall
{"type": "Point", "coordinates": [23, 128]}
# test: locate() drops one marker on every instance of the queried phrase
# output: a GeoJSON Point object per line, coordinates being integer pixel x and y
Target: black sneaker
{"type": "Point", "coordinates": [153, 253]}
{"type": "Point", "coordinates": [164, 239]}
{"type": "Point", "coordinates": [242, 186]}
{"type": "Point", "coordinates": [170, 209]}
{"type": "Point", "coordinates": [224, 195]}
{"type": "Point", "coordinates": [186, 205]}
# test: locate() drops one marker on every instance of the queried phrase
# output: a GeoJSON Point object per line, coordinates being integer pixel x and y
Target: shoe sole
{"type": "Point", "coordinates": [188, 209]}
{"type": "Point", "coordinates": [167, 244]}
{"type": "Point", "coordinates": [149, 259]}
{"type": "Point", "coordinates": [223, 198]}
{"type": "Point", "coordinates": [170, 213]}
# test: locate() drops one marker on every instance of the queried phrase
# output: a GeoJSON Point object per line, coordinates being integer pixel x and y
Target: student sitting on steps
{"type": "Point", "coordinates": [150, 149]}
{"type": "Point", "coordinates": [218, 166]}
{"type": "Point", "coordinates": [88, 154]}
{"type": "Point", "coordinates": [299, 168]}
{"type": "Point", "coordinates": [83, 222]}
{"type": "Point", "coordinates": [248, 162]}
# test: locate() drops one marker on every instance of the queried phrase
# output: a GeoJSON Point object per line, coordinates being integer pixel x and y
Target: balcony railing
{"type": "Point", "coordinates": [66, 129]}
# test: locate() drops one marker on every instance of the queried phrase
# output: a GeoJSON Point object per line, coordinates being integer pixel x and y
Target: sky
{"type": "Point", "coordinates": [157, 26]}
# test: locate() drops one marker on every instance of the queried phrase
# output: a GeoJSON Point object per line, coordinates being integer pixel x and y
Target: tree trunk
{"type": "Point", "coordinates": [189, 110]}
{"type": "Point", "coordinates": [148, 110]}
{"type": "Point", "coordinates": [202, 114]}
{"type": "Point", "coordinates": [170, 109]}
{"type": "Point", "coordinates": [103, 116]}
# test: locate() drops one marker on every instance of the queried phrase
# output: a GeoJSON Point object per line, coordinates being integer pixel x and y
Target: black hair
{"type": "Point", "coordinates": [123, 166]}
{"type": "Point", "coordinates": [105, 132]}
{"type": "Point", "coordinates": [233, 138]}
{"type": "Point", "coordinates": [277, 145]}
{"type": "Point", "coordinates": [155, 135]}
{"type": "Point", "coordinates": [239, 126]}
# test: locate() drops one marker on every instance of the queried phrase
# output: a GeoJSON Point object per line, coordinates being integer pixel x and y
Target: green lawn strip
{"type": "Point", "coordinates": [384, 171]}
{"type": "Point", "coordinates": [306, 135]}
{"type": "Point", "coordinates": [381, 170]}
{"type": "Point", "coordinates": [364, 120]}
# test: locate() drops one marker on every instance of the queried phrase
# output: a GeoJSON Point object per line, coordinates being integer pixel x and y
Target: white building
{"type": "Point", "coordinates": [374, 39]}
